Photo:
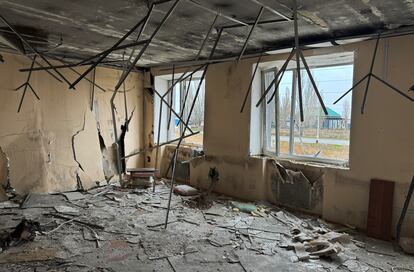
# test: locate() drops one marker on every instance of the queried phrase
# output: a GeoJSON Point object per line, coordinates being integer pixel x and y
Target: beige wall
{"type": "Point", "coordinates": [382, 145]}
{"type": "Point", "coordinates": [41, 140]}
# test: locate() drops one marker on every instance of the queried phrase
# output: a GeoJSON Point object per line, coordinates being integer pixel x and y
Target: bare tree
{"type": "Point", "coordinates": [197, 116]}
{"type": "Point", "coordinates": [285, 107]}
{"type": "Point", "coordinates": [346, 111]}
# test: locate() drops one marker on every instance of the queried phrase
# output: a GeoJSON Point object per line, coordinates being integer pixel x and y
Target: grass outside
{"type": "Point", "coordinates": [338, 134]}
{"type": "Point", "coordinates": [327, 151]}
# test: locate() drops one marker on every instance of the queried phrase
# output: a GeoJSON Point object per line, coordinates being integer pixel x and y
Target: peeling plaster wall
{"type": "Point", "coordinates": [38, 140]}
{"type": "Point", "coordinates": [382, 145]}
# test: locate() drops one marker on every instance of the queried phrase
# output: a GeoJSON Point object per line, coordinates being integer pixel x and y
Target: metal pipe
{"type": "Point", "coordinates": [159, 145]}
{"type": "Point", "coordinates": [169, 106]}
{"type": "Point", "coordinates": [188, 119]}
{"type": "Point", "coordinates": [315, 88]}
{"type": "Point", "coordinates": [93, 88]}
{"type": "Point", "coordinates": [25, 85]}
{"type": "Point", "coordinates": [251, 23]}
{"type": "Point", "coordinates": [250, 33]}
{"type": "Point", "coordinates": [171, 100]}
{"type": "Point", "coordinates": [276, 77]}
{"type": "Point", "coordinates": [370, 74]}
{"type": "Point", "coordinates": [84, 62]}
{"type": "Point", "coordinates": [350, 89]}
{"type": "Point", "coordinates": [392, 87]}
{"type": "Point", "coordinates": [144, 25]}
{"type": "Point", "coordinates": [272, 10]}
{"type": "Point", "coordinates": [158, 142]}
{"type": "Point", "coordinates": [124, 75]}
{"type": "Point", "coordinates": [33, 91]}
{"type": "Point", "coordinates": [103, 56]}
{"type": "Point", "coordinates": [277, 84]}
{"type": "Point", "coordinates": [295, 21]}
{"type": "Point", "coordinates": [186, 96]}
{"type": "Point", "coordinates": [251, 83]}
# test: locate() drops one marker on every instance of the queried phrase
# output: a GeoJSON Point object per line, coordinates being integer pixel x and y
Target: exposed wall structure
{"type": "Point", "coordinates": [381, 140]}
{"type": "Point", "coordinates": [54, 144]}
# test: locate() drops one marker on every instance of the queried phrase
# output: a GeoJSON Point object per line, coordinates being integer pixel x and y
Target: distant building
{"type": "Point", "coordinates": [333, 120]}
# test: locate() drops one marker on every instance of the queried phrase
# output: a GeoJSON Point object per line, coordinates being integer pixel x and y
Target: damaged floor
{"type": "Point", "coordinates": [115, 229]}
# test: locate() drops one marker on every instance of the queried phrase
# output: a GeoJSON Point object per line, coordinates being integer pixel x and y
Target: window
{"type": "Point", "coordinates": [183, 93]}
{"type": "Point", "coordinates": [320, 137]}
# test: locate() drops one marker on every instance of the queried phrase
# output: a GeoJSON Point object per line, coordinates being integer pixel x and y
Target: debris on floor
{"type": "Point", "coordinates": [244, 207]}
{"type": "Point", "coordinates": [121, 229]}
{"type": "Point", "coordinates": [23, 232]}
{"type": "Point", "coordinates": [185, 190]}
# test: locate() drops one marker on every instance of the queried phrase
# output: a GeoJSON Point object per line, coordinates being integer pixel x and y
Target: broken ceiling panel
{"type": "Point", "coordinates": [90, 27]}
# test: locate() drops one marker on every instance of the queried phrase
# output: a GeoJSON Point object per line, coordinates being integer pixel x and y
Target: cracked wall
{"type": "Point", "coordinates": [38, 140]}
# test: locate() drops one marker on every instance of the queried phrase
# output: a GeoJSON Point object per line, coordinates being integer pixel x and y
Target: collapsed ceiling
{"type": "Point", "coordinates": [80, 29]}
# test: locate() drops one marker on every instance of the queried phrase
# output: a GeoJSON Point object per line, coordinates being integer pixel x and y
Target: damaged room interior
{"type": "Point", "coordinates": [194, 135]}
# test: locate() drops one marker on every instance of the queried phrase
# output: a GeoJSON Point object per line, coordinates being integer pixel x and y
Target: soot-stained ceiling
{"type": "Point", "coordinates": [77, 29]}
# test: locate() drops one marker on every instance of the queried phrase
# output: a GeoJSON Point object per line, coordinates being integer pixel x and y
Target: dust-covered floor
{"type": "Point", "coordinates": [114, 229]}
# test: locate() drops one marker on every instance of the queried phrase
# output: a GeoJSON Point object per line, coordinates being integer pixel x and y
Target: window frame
{"type": "Point", "coordinates": [291, 155]}
{"type": "Point", "coordinates": [183, 88]}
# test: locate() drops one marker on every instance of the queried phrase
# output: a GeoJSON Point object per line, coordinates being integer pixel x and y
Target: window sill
{"type": "Point", "coordinates": [317, 162]}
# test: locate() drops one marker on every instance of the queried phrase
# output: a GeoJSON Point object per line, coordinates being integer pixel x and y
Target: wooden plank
{"type": "Point", "coordinates": [381, 199]}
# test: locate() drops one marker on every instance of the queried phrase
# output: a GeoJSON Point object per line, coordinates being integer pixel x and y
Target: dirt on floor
{"type": "Point", "coordinates": [115, 229]}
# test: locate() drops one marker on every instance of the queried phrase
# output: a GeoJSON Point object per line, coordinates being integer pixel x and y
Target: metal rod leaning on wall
{"type": "Point", "coordinates": [276, 77]}
{"type": "Point", "coordinates": [143, 49]}
{"type": "Point", "coordinates": [118, 152]}
{"type": "Point", "coordinates": [404, 210]}
{"type": "Point", "coordinates": [250, 34]}
{"type": "Point", "coordinates": [27, 84]}
{"type": "Point", "coordinates": [125, 99]}
{"type": "Point", "coordinates": [392, 87]}
{"type": "Point", "coordinates": [103, 56]}
{"type": "Point", "coordinates": [171, 99]}
{"type": "Point", "coordinates": [251, 83]}
{"type": "Point", "coordinates": [158, 141]}
{"type": "Point", "coordinates": [370, 74]}
{"type": "Point", "coordinates": [188, 120]}
{"type": "Point", "coordinates": [31, 47]}
{"type": "Point", "coordinates": [93, 88]}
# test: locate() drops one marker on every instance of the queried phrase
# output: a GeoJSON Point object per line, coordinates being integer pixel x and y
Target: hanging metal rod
{"type": "Point", "coordinates": [144, 48]}
{"type": "Point", "coordinates": [264, 22]}
{"type": "Point", "coordinates": [103, 56]}
{"type": "Point", "coordinates": [27, 84]}
{"type": "Point", "coordinates": [86, 62]}
{"type": "Point", "coordinates": [31, 47]}
{"type": "Point", "coordinates": [250, 84]}
{"type": "Point", "coordinates": [250, 33]}
{"type": "Point", "coordinates": [188, 120]}
{"type": "Point", "coordinates": [272, 10]}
